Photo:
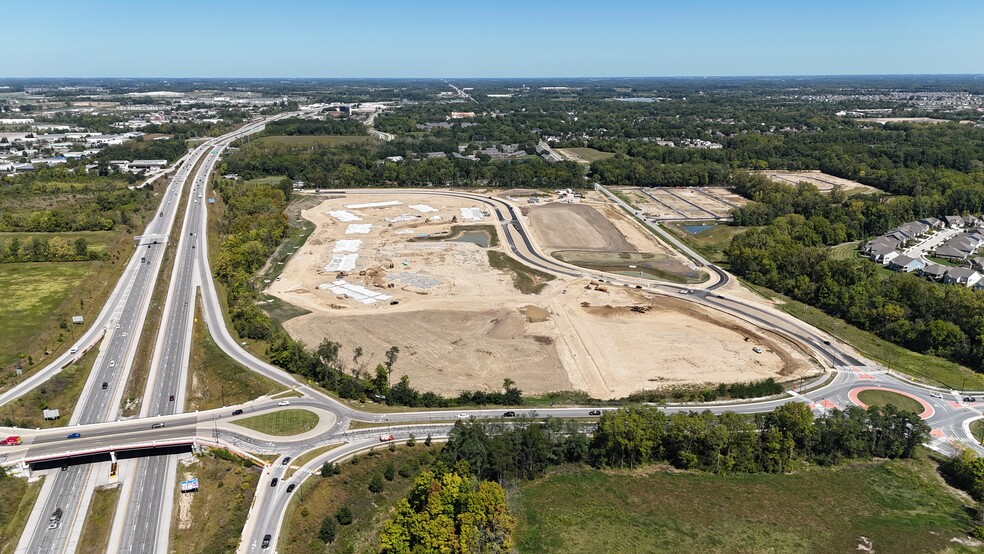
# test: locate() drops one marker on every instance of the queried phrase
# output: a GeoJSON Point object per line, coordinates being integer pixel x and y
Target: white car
{"type": "Point", "coordinates": [462, 416]}
{"type": "Point", "coordinates": [935, 395]}
{"type": "Point", "coordinates": [284, 403]}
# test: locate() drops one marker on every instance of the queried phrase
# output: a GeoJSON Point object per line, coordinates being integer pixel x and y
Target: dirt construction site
{"type": "Point", "coordinates": [683, 203]}
{"type": "Point", "coordinates": [823, 181]}
{"type": "Point", "coordinates": [414, 271]}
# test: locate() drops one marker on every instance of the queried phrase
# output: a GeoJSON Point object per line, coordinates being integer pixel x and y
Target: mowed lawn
{"type": "Point", "coordinates": [328, 140]}
{"type": "Point", "coordinates": [32, 293]}
{"type": "Point", "coordinates": [899, 506]}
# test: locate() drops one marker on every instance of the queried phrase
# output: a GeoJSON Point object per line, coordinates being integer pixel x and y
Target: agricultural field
{"type": "Point", "coordinates": [385, 269]}
{"type": "Point", "coordinates": [883, 506]}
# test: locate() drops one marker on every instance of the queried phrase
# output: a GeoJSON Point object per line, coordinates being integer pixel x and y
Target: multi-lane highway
{"type": "Point", "coordinates": [103, 391]}
{"type": "Point", "coordinates": [144, 521]}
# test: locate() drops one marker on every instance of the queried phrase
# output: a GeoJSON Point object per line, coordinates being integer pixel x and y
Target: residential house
{"type": "Point", "coordinates": [934, 271]}
{"type": "Point", "coordinates": [952, 253]}
{"type": "Point", "coordinates": [954, 221]}
{"type": "Point", "coordinates": [880, 242]}
{"type": "Point", "coordinates": [976, 263]}
{"type": "Point", "coordinates": [961, 276]}
{"type": "Point", "coordinates": [933, 223]}
{"type": "Point", "coordinates": [883, 254]}
{"type": "Point", "coordinates": [971, 221]}
{"type": "Point", "coordinates": [906, 264]}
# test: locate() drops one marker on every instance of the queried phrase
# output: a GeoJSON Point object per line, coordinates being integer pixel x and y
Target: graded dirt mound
{"type": "Point", "coordinates": [447, 351]}
{"type": "Point", "coordinates": [562, 226]}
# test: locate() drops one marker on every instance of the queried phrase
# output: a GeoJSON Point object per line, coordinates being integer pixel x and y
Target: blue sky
{"type": "Point", "coordinates": [505, 38]}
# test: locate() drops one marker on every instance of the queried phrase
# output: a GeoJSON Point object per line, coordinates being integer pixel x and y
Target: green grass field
{"type": "Point", "coordinates": [281, 423]}
{"type": "Point", "coordinates": [900, 506]}
{"type": "Point", "coordinates": [710, 243]}
{"type": "Point", "coordinates": [32, 293]}
{"type": "Point", "coordinates": [845, 251]}
{"type": "Point", "coordinates": [585, 155]}
{"type": "Point", "coordinates": [327, 140]}
{"type": "Point", "coordinates": [930, 369]}
{"type": "Point", "coordinates": [883, 398]}
{"type": "Point", "coordinates": [526, 279]}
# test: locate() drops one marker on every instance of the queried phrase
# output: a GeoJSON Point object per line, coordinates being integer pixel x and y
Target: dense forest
{"type": "Point", "coordinates": [790, 255]}
{"type": "Point", "coordinates": [778, 442]}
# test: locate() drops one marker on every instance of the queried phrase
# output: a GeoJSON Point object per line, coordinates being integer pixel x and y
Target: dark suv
{"type": "Point", "coordinates": [266, 541]}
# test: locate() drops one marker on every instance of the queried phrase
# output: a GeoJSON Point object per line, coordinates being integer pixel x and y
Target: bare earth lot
{"type": "Point", "coordinates": [461, 325]}
{"type": "Point", "coordinates": [683, 203]}
{"type": "Point", "coordinates": [823, 182]}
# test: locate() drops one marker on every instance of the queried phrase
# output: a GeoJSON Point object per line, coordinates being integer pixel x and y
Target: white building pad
{"type": "Point", "coordinates": [355, 292]}
{"type": "Point", "coordinates": [344, 216]}
{"type": "Point", "coordinates": [374, 204]}
{"type": "Point", "coordinates": [423, 208]}
{"type": "Point", "coordinates": [358, 229]}
{"type": "Point", "coordinates": [347, 246]}
{"type": "Point", "coordinates": [342, 262]}
{"type": "Point", "coordinates": [471, 214]}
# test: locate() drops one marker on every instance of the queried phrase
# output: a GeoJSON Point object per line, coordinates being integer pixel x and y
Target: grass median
{"type": "Point", "coordinates": [281, 423]}
{"type": "Point", "coordinates": [99, 521]}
